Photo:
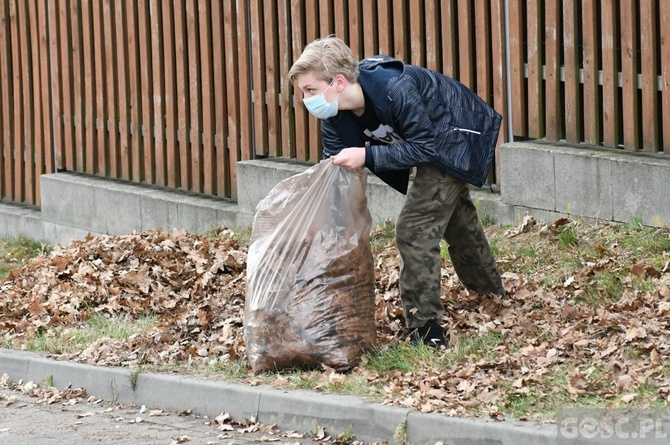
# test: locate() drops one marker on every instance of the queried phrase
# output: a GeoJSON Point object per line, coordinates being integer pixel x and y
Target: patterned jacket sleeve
{"type": "Point", "coordinates": [331, 142]}
{"type": "Point", "coordinates": [412, 123]}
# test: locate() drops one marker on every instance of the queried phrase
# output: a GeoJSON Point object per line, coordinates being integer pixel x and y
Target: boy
{"type": "Point", "coordinates": [390, 117]}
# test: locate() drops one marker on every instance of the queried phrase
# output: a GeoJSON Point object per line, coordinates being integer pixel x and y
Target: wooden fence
{"type": "Point", "coordinates": [174, 92]}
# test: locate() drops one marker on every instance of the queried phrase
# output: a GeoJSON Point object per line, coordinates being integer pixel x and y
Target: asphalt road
{"type": "Point", "coordinates": [29, 420]}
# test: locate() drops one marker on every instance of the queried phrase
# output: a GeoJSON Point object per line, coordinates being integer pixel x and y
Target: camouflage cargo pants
{"type": "Point", "coordinates": [439, 206]}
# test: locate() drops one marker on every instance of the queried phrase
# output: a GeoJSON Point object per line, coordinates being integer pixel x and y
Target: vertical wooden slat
{"type": "Point", "coordinates": [53, 15]}
{"type": "Point", "coordinates": [483, 71]}
{"type": "Point", "coordinates": [112, 82]}
{"type": "Point", "coordinates": [312, 20]}
{"type": "Point", "coordinates": [193, 133]}
{"type": "Point", "coordinates": [301, 116]}
{"type": "Point", "coordinates": [158, 91]}
{"type": "Point", "coordinates": [340, 8]}
{"type": "Point", "coordinates": [385, 27]}
{"type": "Point", "coordinates": [3, 98]}
{"type": "Point", "coordinates": [355, 28]}
{"type": "Point", "coordinates": [181, 65]}
{"type": "Point", "coordinates": [122, 80]}
{"type": "Point", "coordinates": [16, 150]}
{"type": "Point", "coordinates": [573, 114]}
{"type": "Point", "coordinates": [483, 49]}
{"type": "Point", "coordinates": [592, 102]}
{"type": "Point", "coordinates": [286, 117]}
{"type": "Point", "coordinates": [22, 148]}
{"type": "Point", "coordinates": [146, 60]}
{"type": "Point", "coordinates": [171, 115]}
{"type": "Point", "coordinates": [25, 153]}
{"type": "Point", "coordinates": [433, 35]}
{"type": "Point", "coordinates": [135, 156]}
{"type": "Point", "coordinates": [88, 117]}
{"type": "Point", "coordinates": [554, 103]}
{"type": "Point", "coordinates": [535, 92]}
{"type": "Point", "coordinates": [629, 61]}
{"type": "Point", "coordinates": [664, 14]}
{"type": "Point", "coordinates": [209, 165]}
{"type": "Point", "coordinates": [499, 74]}
{"type": "Point", "coordinates": [648, 54]}
{"type": "Point", "coordinates": [370, 38]}
{"type": "Point", "coordinates": [220, 85]}
{"type": "Point", "coordinates": [400, 50]}
{"type": "Point", "coordinates": [416, 32]}
{"type": "Point", "coordinates": [610, 70]}
{"type": "Point", "coordinates": [326, 17]}
{"type": "Point", "coordinates": [274, 136]}
{"type": "Point", "coordinates": [518, 81]}
{"type": "Point", "coordinates": [99, 36]}
{"type": "Point", "coordinates": [5, 117]}
{"type": "Point", "coordinates": [36, 153]}
{"type": "Point", "coordinates": [466, 50]}
{"type": "Point", "coordinates": [66, 89]}
{"type": "Point", "coordinates": [77, 84]}
{"type": "Point", "coordinates": [47, 147]}
{"type": "Point", "coordinates": [234, 95]}
{"type": "Point", "coordinates": [449, 38]}
{"type": "Point", "coordinates": [259, 85]}
{"type": "Point", "coordinates": [244, 68]}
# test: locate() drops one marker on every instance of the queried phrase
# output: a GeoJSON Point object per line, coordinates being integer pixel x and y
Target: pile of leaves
{"type": "Point", "coordinates": [547, 344]}
{"type": "Point", "coordinates": [194, 287]}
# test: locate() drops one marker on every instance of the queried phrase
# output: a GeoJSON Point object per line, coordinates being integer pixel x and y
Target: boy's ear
{"type": "Point", "coordinates": [341, 79]}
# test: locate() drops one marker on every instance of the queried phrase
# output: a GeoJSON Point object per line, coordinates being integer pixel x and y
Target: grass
{"type": "Point", "coordinates": [97, 326]}
{"type": "Point", "coordinates": [480, 345]}
{"type": "Point", "coordinates": [16, 252]}
{"type": "Point", "coordinates": [572, 251]}
{"type": "Point", "coordinates": [382, 236]}
{"type": "Point", "coordinates": [400, 357]}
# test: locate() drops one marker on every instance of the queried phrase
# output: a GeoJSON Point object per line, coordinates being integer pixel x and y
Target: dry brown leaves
{"type": "Point", "coordinates": [196, 286]}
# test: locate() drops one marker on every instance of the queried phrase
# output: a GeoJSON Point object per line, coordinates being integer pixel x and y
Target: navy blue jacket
{"type": "Point", "coordinates": [441, 122]}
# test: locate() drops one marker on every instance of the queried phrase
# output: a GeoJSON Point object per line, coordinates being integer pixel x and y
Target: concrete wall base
{"type": "Point", "coordinates": [546, 180]}
{"type": "Point", "coordinates": [555, 179]}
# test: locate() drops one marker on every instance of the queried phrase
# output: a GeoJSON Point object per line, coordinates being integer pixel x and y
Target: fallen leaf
{"type": "Point", "coordinates": [319, 432]}
{"type": "Point", "coordinates": [624, 382]}
{"type": "Point", "coordinates": [577, 384]}
{"type": "Point", "coordinates": [279, 381]}
{"type": "Point", "coordinates": [635, 332]}
{"type": "Point", "coordinates": [645, 271]}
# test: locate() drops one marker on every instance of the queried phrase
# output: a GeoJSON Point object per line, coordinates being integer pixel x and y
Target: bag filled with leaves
{"type": "Point", "coordinates": [310, 275]}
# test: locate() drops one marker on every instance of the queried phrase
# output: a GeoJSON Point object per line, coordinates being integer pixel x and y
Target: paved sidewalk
{"type": "Point", "coordinates": [294, 410]}
{"type": "Point", "coordinates": [26, 419]}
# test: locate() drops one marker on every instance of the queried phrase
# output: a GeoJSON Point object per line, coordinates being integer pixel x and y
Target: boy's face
{"type": "Point", "coordinates": [311, 85]}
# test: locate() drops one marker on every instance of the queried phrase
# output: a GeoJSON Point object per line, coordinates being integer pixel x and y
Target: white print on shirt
{"type": "Point", "coordinates": [384, 133]}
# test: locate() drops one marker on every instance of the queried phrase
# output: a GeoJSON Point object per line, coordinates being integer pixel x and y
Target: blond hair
{"type": "Point", "coordinates": [326, 58]}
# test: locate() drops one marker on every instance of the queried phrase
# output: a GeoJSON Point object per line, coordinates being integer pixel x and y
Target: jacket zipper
{"type": "Point", "coordinates": [465, 130]}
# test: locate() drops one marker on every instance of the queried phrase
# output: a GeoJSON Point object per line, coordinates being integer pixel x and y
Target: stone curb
{"type": "Point", "coordinates": [289, 410]}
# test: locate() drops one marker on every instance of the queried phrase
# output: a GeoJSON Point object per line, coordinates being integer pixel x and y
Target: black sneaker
{"type": "Point", "coordinates": [431, 334]}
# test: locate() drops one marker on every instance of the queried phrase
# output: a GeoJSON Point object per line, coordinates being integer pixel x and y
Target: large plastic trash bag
{"type": "Point", "coordinates": [310, 274]}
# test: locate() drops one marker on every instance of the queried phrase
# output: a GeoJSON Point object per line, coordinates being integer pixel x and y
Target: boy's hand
{"type": "Point", "coordinates": [350, 158]}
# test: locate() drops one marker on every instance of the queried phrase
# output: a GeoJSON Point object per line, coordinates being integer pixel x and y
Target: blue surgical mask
{"type": "Point", "coordinates": [319, 106]}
